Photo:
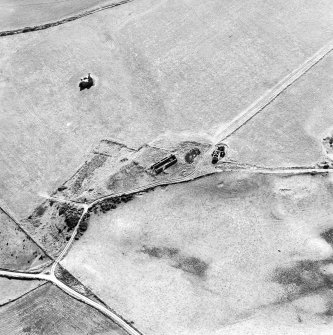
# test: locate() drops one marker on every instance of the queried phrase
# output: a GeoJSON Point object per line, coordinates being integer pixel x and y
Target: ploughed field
{"type": "Point", "coordinates": [198, 257]}
{"type": "Point", "coordinates": [158, 66]}
{"type": "Point", "coordinates": [48, 310]}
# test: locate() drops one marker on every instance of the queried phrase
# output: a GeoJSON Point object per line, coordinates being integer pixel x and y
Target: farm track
{"type": "Point", "coordinates": [257, 106]}
{"type": "Point", "coordinates": [62, 21]}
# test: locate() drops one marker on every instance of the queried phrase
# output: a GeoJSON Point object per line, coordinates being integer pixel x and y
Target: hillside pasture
{"type": "Point", "coordinates": [158, 66]}
{"type": "Point", "coordinates": [194, 258]}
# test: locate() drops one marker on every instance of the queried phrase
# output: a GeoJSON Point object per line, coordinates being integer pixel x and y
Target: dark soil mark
{"type": "Point", "coordinates": [327, 235]}
{"type": "Point", "coordinates": [193, 265]}
{"type": "Point", "coordinates": [160, 252]}
{"type": "Point", "coordinates": [60, 22]}
{"type": "Point", "coordinates": [40, 210]}
{"type": "Point", "coordinates": [190, 156]}
{"type": "Point", "coordinates": [304, 278]}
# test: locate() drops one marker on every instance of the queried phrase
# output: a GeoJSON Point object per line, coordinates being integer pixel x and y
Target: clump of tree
{"type": "Point", "coordinates": [110, 203]}
{"type": "Point", "coordinates": [71, 215]}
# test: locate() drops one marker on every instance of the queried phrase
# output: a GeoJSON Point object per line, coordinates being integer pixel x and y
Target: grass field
{"type": "Point", "coordinates": [48, 310]}
{"type": "Point", "coordinates": [289, 132]}
{"type": "Point", "coordinates": [17, 250]}
{"type": "Point", "coordinates": [22, 13]}
{"type": "Point", "coordinates": [197, 257]}
{"type": "Point", "coordinates": [159, 66]}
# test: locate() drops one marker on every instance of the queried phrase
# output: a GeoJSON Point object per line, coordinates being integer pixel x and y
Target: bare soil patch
{"type": "Point", "coordinates": [48, 310]}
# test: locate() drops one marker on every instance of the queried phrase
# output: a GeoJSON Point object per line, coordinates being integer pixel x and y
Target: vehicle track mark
{"type": "Point", "coordinates": [257, 106]}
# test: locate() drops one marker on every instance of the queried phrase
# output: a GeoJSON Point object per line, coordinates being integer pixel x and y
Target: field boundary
{"type": "Point", "coordinates": [26, 293]}
{"type": "Point", "coordinates": [17, 222]}
{"type": "Point", "coordinates": [62, 21]}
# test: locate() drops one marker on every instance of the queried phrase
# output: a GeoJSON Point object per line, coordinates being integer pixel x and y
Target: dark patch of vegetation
{"type": "Point", "coordinates": [67, 278]}
{"type": "Point", "coordinates": [62, 188]}
{"type": "Point", "coordinates": [83, 226]}
{"type": "Point", "coordinates": [193, 265]}
{"type": "Point", "coordinates": [26, 330]}
{"type": "Point", "coordinates": [329, 140]}
{"type": "Point", "coordinates": [190, 156]}
{"type": "Point", "coordinates": [71, 214]}
{"type": "Point", "coordinates": [110, 203]}
{"type": "Point", "coordinates": [327, 235]}
{"type": "Point", "coordinates": [304, 277]}
{"type": "Point", "coordinates": [40, 210]}
{"type": "Point", "coordinates": [160, 252]}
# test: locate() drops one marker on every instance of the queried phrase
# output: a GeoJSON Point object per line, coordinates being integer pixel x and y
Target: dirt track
{"type": "Point", "coordinates": [62, 21]}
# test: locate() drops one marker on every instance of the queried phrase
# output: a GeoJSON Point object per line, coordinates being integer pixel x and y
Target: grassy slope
{"type": "Point", "coordinates": [159, 65]}
{"type": "Point", "coordinates": [48, 310]}
{"type": "Point", "coordinates": [23, 13]}
{"type": "Point", "coordinates": [289, 131]}
{"type": "Point", "coordinates": [192, 258]}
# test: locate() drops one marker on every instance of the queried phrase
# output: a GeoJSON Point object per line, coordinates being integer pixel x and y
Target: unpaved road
{"type": "Point", "coordinates": [256, 107]}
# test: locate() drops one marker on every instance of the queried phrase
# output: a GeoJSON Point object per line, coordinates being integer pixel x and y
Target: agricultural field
{"type": "Point", "coordinates": [47, 310]}
{"type": "Point", "coordinates": [17, 250]}
{"type": "Point", "coordinates": [11, 289]}
{"type": "Point", "coordinates": [195, 258]}
{"type": "Point", "coordinates": [291, 131]}
{"type": "Point", "coordinates": [159, 66]}
{"type": "Point", "coordinates": [21, 13]}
